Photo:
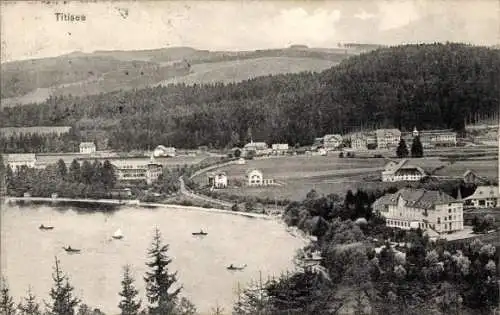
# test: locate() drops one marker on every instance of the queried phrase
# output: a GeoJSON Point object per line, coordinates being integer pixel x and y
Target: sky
{"type": "Point", "coordinates": [30, 29]}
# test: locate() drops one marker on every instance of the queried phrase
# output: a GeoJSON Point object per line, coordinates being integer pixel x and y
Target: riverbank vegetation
{"type": "Point", "coordinates": [443, 85]}
{"type": "Point", "coordinates": [163, 292]}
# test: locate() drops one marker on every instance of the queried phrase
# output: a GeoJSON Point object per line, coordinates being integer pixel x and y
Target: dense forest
{"type": "Point", "coordinates": [427, 85]}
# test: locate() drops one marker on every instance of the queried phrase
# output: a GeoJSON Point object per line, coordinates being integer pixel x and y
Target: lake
{"type": "Point", "coordinates": [27, 253]}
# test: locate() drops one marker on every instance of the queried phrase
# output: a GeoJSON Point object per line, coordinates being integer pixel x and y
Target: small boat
{"type": "Point", "coordinates": [231, 267]}
{"type": "Point", "coordinates": [118, 235]}
{"type": "Point", "coordinates": [71, 250]}
{"type": "Point", "coordinates": [43, 227]}
{"type": "Point", "coordinates": [200, 233]}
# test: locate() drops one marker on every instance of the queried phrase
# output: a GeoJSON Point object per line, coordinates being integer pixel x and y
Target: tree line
{"type": "Point", "coordinates": [162, 291]}
{"type": "Point", "coordinates": [427, 85]}
{"type": "Point", "coordinates": [88, 180]}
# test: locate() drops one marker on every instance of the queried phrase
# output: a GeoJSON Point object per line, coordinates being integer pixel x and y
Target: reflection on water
{"type": "Point", "coordinates": [28, 253]}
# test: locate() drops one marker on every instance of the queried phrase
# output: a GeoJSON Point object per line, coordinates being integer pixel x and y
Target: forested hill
{"type": "Point", "coordinates": [430, 86]}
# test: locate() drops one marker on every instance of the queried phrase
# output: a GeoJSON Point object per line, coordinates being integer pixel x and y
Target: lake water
{"type": "Point", "coordinates": [27, 254]}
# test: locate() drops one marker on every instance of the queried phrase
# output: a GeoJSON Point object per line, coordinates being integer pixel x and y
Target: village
{"type": "Point", "coordinates": [371, 155]}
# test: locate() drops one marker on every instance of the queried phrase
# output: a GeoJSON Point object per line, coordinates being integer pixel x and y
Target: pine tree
{"type": "Point", "coordinates": [402, 150]}
{"type": "Point", "coordinates": [158, 280]}
{"type": "Point", "coordinates": [6, 302]}
{"type": "Point", "coordinates": [29, 306]}
{"type": "Point", "coordinates": [62, 170]}
{"type": "Point", "coordinates": [108, 175]}
{"type": "Point", "coordinates": [128, 304]}
{"type": "Point", "coordinates": [75, 172]}
{"type": "Point", "coordinates": [63, 302]}
{"type": "Point", "coordinates": [417, 149]}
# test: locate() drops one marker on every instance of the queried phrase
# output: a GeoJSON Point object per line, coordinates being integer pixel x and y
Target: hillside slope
{"type": "Point", "coordinates": [427, 86]}
{"type": "Point", "coordinates": [81, 74]}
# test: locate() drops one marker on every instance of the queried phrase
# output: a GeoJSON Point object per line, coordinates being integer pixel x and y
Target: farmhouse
{"type": "Point", "coordinates": [217, 180]}
{"type": "Point", "coordinates": [419, 208]}
{"type": "Point", "coordinates": [256, 178]}
{"type": "Point", "coordinates": [402, 171]}
{"type": "Point", "coordinates": [280, 148]}
{"type": "Point", "coordinates": [387, 138]}
{"type": "Point", "coordinates": [18, 160]}
{"type": "Point", "coordinates": [484, 197]}
{"type": "Point", "coordinates": [164, 151]}
{"type": "Point", "coordinates": [87, 147]}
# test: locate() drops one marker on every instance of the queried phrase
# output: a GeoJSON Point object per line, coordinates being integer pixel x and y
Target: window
{"type": "Point", "coordinates": [439, 220]}
{"type": "Point", "coordinates": [449, 218]}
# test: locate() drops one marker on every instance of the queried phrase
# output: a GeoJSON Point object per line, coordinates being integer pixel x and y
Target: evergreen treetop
{"type": "Point", "coordinates": [158, 279]}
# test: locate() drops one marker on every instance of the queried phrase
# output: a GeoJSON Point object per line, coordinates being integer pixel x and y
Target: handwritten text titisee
{"type": "Point", "coordinates": [66, 17]}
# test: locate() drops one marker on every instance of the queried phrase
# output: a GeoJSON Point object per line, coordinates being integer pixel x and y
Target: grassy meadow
{"type": "Point", "coordinates": [297, 175]}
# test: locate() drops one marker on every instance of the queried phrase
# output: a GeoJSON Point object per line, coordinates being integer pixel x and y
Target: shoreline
{"type": "Point", "coordinates": [135, 203]}
{"type": "Point", "coordinates": [292, 231]}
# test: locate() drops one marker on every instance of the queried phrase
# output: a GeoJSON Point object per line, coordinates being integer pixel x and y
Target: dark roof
{"type": "Point", "coordinates": [417, 198]}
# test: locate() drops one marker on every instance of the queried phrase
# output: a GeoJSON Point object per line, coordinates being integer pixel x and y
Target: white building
{"type": "Point", "coordinates": [256, 178]}
{"type": "Point", "coordinates": [18, 160]}
{"type": "Point", "coordinates": [332, 142]}
{"type": "Point", "coordinates": [387, 138]}
{"type": "Point", "coordinates": [87, 147]}
{"type": "Point", "coordinates": [259, 148]}
{"type": "Point", "coordinates": [217, 180]}
{"type": "Point", "coordinates": [427, 209]}
{"type": "Point", "coordinates": [164, 151]}
{"type": "Point", "coordinates": [402, 171]}
{"type": "Point", "coordinates": [137, 169]}
{"type": "Point", "coordinates": [280, 148]}
{"type": "Point", "coordinates": [484, 197]}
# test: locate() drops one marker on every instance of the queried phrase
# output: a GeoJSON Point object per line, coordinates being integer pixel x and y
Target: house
{"type": "Point", "coordinates": [18, 160]}
{"type": "Point", "coordinates": [217, 180]}
{"type": "Point", "coordinates": [259, 148]}
{"type": "Point", "coordinates": [484, 197]}
{"type": "Point", "coordinates": [332, 142]}
{"type": "Point", "coordinates": [470, 177]}
{"type": "Point", "coordinates": [280, 148]}
{"type": "Point", "coordinates": [402, 171]}
{"type": "Point", "coordinates": [256, 178]}
{"type": "Point", "coordinates": [164, 151]}
{"type": "Point", "coordinates": [387, 138]}
{"type": "Point", "coordinates": [426, 209]}
{"type": "Point", "coordinates": [87, 147]}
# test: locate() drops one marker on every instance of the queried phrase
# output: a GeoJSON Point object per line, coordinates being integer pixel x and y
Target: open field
{"type": "Point", "coordinates": [297, 175]}
{"type": "Point", "coordinates": [487, 168]}
{"type": "Point", "coordinates": [239, 70]}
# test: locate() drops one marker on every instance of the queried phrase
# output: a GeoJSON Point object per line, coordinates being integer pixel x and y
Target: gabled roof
{"type": "Point", "coordinates": [404, 165]}
{"type": "Point", "coordinates": [416, 198]}
{"type": "Point", "coordinates": [252, 170]}
{"type": "Point", "coordinates": [332, 136]}
{"type": "Point", "coordinates": [256, 144]}
{"type": "Point", "coordinates": [485, 192]}
{"type": "Point", "coordinates": [162, 147]}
